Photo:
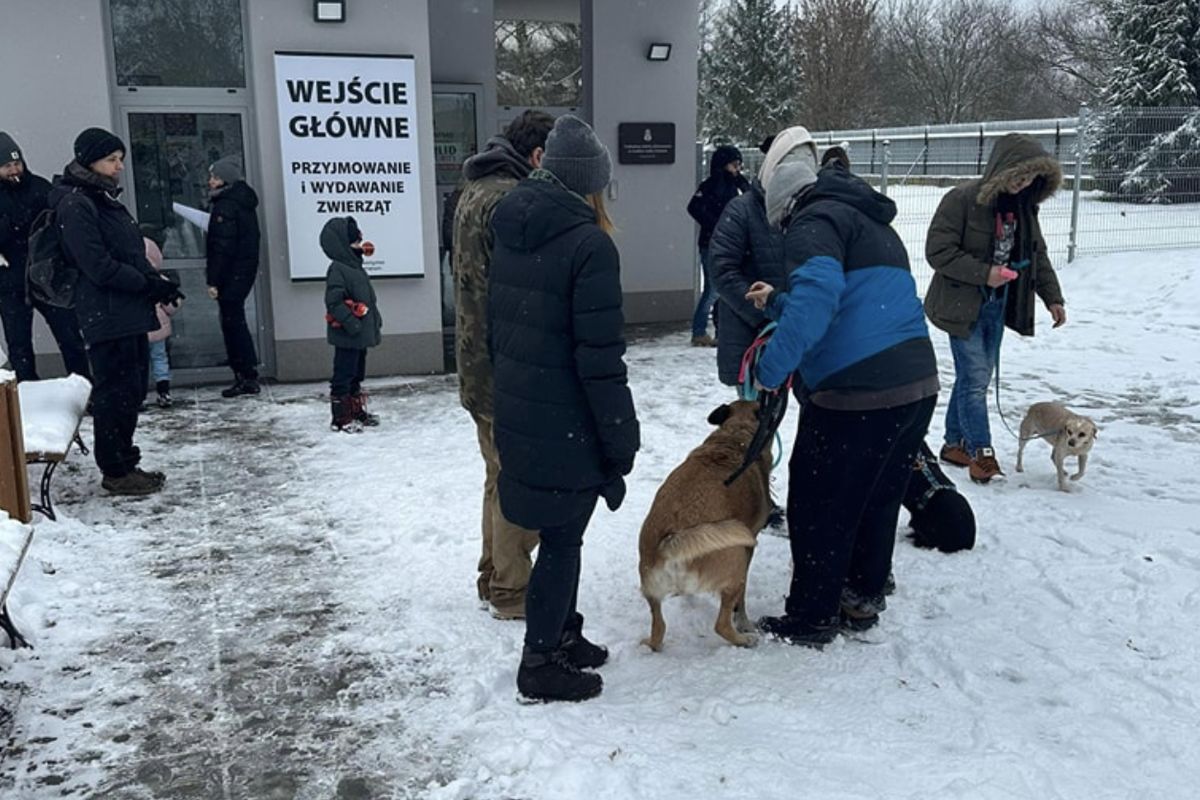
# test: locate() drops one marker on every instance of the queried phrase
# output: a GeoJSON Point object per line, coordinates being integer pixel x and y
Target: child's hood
{"type": "Point", "coordinates": [335, 241]}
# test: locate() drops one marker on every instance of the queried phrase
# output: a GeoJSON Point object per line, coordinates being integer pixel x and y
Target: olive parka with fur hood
{"type": "Point", "coordinates": [962, 234]}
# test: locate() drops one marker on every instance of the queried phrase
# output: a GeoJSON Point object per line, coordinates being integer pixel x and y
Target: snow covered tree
{"type": "Point", "coordinates": [748, 75]}
{"type": "Point", "coordinates": [1146, 141]}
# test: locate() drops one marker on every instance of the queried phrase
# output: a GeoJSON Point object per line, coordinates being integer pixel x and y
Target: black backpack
{"type": "Point", "coordinates": [50, 277]}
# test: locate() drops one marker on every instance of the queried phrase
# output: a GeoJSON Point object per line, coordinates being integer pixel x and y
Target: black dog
{"type": "Point", "coordinates": [941, 517]}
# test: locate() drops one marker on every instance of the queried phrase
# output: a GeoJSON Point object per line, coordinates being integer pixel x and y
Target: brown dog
{"type": "Point", "coordinates": [1068, 433]}
{"type": "Point", "coordinates": [700, 534]}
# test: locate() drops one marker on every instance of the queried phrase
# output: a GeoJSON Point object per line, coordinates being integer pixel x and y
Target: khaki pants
{"type": "Point", "coordinates": [505, 563]}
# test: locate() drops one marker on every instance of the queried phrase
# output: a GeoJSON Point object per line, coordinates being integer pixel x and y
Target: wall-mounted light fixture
{"type": "Point", "coordinates": [329, 10]}
{"type": "Point", "coordinates": [659, 51]}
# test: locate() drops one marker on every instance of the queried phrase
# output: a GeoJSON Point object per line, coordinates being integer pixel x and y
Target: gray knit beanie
{"type": "Point", "coordinates": [577, 157]}
{"type": "Point", "coordinates": [227, 169]}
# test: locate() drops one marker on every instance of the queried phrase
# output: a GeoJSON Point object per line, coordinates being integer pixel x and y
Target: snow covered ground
{"type": "Point", "coordinates": [294, 617]}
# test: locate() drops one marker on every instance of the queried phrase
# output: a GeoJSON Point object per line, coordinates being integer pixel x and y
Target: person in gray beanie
{"type": "Point", "coordinates": [565, 426]}
{"type": "Point", "coordinates": [232, 267]}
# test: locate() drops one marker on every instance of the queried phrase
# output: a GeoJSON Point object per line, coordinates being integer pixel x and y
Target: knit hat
{"type": "Point", "coordinates": [577, 157]}
{"type": "Point", "coordinates": [94, 144]}
{"type": "Point", "coordinates": [9, 151]}
{"type": "Point", "coordinates": [227, 169]}
{"type": "Point", "coordinates": [789, 168]}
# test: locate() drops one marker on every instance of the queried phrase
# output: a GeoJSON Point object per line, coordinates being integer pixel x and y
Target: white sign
{"type": "Point", "coordinates": [350, 148]}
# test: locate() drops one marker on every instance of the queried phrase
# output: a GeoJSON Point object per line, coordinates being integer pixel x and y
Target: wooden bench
{"type": "Point", "coordinates": [14, 544]}
{"type": "Point", "coordinates": [51, 411]}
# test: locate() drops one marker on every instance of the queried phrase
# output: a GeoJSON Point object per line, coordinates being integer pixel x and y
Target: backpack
{"type": "Point", "coordinates": [50, 277]}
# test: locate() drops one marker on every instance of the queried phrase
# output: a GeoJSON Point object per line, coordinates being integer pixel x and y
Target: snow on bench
{"type": "Point", "coordinates": [14, 543]}
{"type": "Point", "coordinates": [51, 411]}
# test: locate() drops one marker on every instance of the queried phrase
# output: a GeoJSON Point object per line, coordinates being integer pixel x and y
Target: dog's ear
{"type": "Point", "coordinates": [719, 415]}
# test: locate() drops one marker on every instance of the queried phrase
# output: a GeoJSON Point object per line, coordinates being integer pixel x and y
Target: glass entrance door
{"type": "Point", "coordinates": [170, 153]}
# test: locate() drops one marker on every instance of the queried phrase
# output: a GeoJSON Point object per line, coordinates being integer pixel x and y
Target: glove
{"type": "Point", "coordinates": [613, 493]}
{"type": "Point", "coordinates": [163, 290]}
{"type": "Point", "coordinates": [357, 309]}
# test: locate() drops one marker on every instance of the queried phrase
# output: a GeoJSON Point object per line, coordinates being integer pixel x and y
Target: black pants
{"type": "Point", "coordinates": [847, 476]}
{"type": "Point", "coordinates": [122, 369]}
{"type": "Point", "coordinates": [18, 335]}
{"type": "Point", "coordinates": [349, 369]}
{"type": "Point", "coordinates": [239, 344]}
{"type": "Point", "coordinates": [554, 583]}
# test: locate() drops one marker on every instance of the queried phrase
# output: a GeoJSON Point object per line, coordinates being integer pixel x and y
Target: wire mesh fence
{"type": "Point", "coordinates": [1131, 177]}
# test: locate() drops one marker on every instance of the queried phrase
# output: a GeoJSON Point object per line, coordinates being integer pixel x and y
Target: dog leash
{"type": "Point", "coordinates": [772, 405]}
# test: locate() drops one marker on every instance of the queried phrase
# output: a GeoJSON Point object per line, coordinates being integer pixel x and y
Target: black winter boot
{"type": "Point", "coordinates": [242, 385]}
{"type": "Point", "coordinates": [549, 677]}
{"type": "Point", "coordinates": [581, 652]}
{"type": "Point", "coordinates": [342, 415]}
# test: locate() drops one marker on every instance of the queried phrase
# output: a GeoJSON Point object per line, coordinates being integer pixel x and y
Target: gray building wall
{"type": "Point", "coordinates": [56, 84]}
{"type": "Point", "coordinates": [411, 307]}
{"type": "Point", "coordinates": [656, 237]}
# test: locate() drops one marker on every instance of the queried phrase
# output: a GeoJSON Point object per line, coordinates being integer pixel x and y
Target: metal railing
{"type": "Point", "coordinates": [1131, 177]}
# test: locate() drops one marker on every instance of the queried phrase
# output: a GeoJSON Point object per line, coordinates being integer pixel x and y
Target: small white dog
{"type": "Point", "coordinates": [1068, 433]}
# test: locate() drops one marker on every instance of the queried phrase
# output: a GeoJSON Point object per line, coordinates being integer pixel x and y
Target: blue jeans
{"type": "Point", "coordinates": [974, 364]}
{"type": "Point", "coordinates": [160, 367]}
{"type": "Point", "coordinates": [708, 296]}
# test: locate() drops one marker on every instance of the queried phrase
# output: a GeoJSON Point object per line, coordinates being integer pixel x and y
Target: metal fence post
{"type": "Point", "coordinates": [883, 167]}
{"type": "Point", "coordinates": [925, 169]}
{"type": "Point", "coordinates": [979, 153]}
{"type": "Point", "coordinates": [1073, 240]}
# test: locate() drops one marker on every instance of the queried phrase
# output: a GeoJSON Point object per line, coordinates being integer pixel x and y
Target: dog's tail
{"type": "Point", "coordinates": [700, 540]}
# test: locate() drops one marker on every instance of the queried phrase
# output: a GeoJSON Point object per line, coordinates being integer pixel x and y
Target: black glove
{"type": "Point", "coordinates": [613, 493]}
{"type": "Point", "coordinates": [162, 289]}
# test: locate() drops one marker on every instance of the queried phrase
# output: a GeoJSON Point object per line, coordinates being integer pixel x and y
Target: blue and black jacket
{"type": "Point", "coordinates": [850, 322]}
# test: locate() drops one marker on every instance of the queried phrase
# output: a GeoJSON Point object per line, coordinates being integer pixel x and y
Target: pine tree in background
{"type": "Point", "coordinates": [748, 75]}
{"type": "Point", "coordinates": [1146, 141]}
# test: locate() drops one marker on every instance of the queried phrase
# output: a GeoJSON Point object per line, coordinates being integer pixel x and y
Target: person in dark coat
{"type": "Point", "coordinates": [232, 267]}
{"type": "Point", "coordinates": [114, 301]}
{"type": "Point", "coordinates": [724, 182]}
{"type": "Point", "coordinates": [989, 261]}
{"type": "Point", "coordinates": [851, 327]}
{"type": "Point", "coordinates": [23, 196]}
{"type": "Point", "coordinates": [565, 426]}
{"type": "Point", "coordinates": [353, 322]}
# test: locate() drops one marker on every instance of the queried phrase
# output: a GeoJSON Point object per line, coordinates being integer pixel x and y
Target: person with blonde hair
{"type": "Point", "coordinates": [565, 425]}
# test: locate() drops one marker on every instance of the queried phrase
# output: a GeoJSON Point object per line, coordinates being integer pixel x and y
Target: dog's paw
{"type": "Point", "coordinates": [1077, 476]}
{"type": "Point", "coordinates": [655, 646]}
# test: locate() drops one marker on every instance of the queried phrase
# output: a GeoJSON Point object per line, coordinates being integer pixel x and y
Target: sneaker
{"type": "Point", "coordinates": [581, 652]}
{"type": "Point", "coordinates": [955, 454]}
{"type": "Point", "coordinates": [242, 386]}
{"type": "Point", "coordinates": [164, 400]}
{"type": "Point", "coordinates": [704, 341]}
{"type": "Point", "coordinates": [792, 631]}
{"type": "Point", "coordinates": [550, 677]}
{"type": "Point", "coordinates": [984, 465]}
{"type": "Point", "coordinates": [134, 483]}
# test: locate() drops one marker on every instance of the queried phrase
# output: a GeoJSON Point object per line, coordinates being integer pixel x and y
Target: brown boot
{"type": "Point", "coordinates": [704, 341]}
{"type": "Point", "coordinates": [984, 465]}
{"type": "Point", "coordinates": [955, 454]}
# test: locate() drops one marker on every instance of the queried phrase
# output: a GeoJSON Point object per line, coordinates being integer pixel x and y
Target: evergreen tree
{"type": "Point", "coordinates": [1146, 144]}
{"type": "Point", "coordinates": [748, 76]}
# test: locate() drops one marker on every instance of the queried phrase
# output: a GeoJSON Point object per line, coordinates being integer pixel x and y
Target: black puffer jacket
{"type": "Point", "coordinates": [744, 249]}
{"type": "Point", "coordinates": [20, 203]}
{"type": "Point", "coordinates": [565, 425]}
{"type": "Point", "coordinates": [101, 237]}
{"type": "Point", "coordinates": [233, 237]}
